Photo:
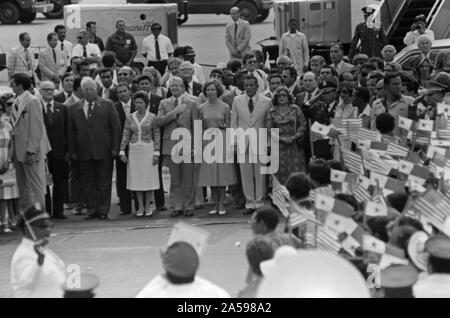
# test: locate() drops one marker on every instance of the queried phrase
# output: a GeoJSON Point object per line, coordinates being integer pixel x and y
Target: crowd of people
{"type": "Point", "coordinates": [363, 144]}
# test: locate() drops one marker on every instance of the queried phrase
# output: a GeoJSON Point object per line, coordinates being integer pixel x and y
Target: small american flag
{"type": "Point", "coordinates": [396, 150]}
{"type": "Point", "coordinates": [367, 134]}
{"type": "Point", "coordinates": [361, 194]}
{"type": "Point", "coordinates": [353, 161]}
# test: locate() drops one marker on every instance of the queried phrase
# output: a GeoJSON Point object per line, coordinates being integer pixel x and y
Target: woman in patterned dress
{"type": "Point", "coordinates": [8, 188]}
{"type": "Point", "coordinates": [216, 115]}
{"type": "Point", "coordinates": [142, 136]}
{"type": "Point", "coordinates": [291, 122]}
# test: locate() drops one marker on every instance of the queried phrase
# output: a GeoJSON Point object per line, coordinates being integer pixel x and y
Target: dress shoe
{"type": "Point", "coordinates": [188, 213]}
{"type": "Point", "coordinates": [140, 213]}
{"type": "Point", "coordinates": [174, 214]}
{"type": "Point", "coordinates": [77, 211]}
{"type": "Point", "coordinates": [222, 212]}
{"type": "Point", "coordinates": [148, 213]}
{"type": "Point", "coordinates": [248, 212]}
{"type": "Point", "coordinates": [124, 213]}
{"type": "Point", "coordinates": [213, 212]}
{"type": "Point", "coordinates": [103, 217]}
{"type": "Point", "coordinates": [91, 216]}
{"type": "Point", "coordinates": [162, 208]}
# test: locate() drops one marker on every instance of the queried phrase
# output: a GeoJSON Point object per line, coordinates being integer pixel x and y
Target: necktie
{"type": "Point", "coordinates": [175, 106]}
{"type": "Point", "coordinates": [158, 52]}
{"type": "Point", "coordinates": [49, 112]}
{"type": "Point", "coordinates": [308, 97]}
{"type": "Point", "coordinates": [84, 52]}
{"type": "Point", "coordinates": [235, 30]}
{"type": "Point", "coordinates": [14, 114]}
{"type": "Point", "coordinates": [62, 46]}
{"type": "Point", "coordinates": [251, 106]}
{"type": "Point", "coordinates": [90, 110]}
{"type": "Point", "coordinates": [54, 55]}
{"type": "Point", "coordinates": [27, 58]}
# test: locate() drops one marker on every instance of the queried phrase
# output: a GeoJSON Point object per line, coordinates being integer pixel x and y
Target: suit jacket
{"type": "Point", "coordinates": [17, 62]}
{"type": "Point", "coordinates": [241, 42]}
{"type": "Point", "coordinates": [229, 97]}
{"type": "Point", "coordinates": [300, 98]}
{"type": "Point", "coordinates": [47, 64]}
{"type": "Point", "coordinates": [57, 130]}
{"type": "Point", "coordinates": [60, 98]}
{"type": "Point", "coordinates": [97, 137]}
{"type": "Point", "coordinates": [121, 113]}
{"type": "Point", "coordinates": [28, 130]}
{"type": "Point", "coordinates": [242, 118]}
{"type": "Point", "coordinates": [112, 93]}
{"type": "Point", "coordinates": [169, 121]}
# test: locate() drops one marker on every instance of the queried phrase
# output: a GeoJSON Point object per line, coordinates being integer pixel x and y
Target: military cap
{"type": "Point", "coordinates": [398, 280]}
{"type": "Point", "coordinates": [438, 247]}
{"type": "Point", "coordinates": [85, 289]}
{"type": "Point", "coordinates": [368, 10]}
{"type": "Point", "coordinates": [33, 214]}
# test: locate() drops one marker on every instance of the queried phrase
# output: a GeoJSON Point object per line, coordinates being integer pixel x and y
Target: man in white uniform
{"type": "Point", "coordinates": [36, 272]}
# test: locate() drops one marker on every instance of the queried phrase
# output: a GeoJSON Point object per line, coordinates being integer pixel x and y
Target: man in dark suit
{"type": "Point", "coordinates": [56, 124]}
{"type": "Point", "coordinates": [124, 108]}
{"type": "Point", "coordinates": [94, 140]}
{"type": "Point", "coordinates": [145, 84]}
{"type": "Point", "coordinates": [67, 84]}
{"type": "Point", "coordinates": [107, 90]}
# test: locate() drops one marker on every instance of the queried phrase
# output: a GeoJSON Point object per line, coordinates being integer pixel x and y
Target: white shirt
{"type": "Point", "coordinates": [86, 107]}
{"type": "Point", "coordinates": [92, 50]}
{"type": "Point", "coordinates": [413, 37]}
{"type": "Point", "coordinates": [44, 105]}
{"type": "Point", "coordinates": [165, 47]}
{"type": "Point", "coordinates": [338, 67]}
{"type": "Point", "coordinates": [126, 107]}
{"type": "Point", "coordinates": [68, 47]}
{"type": "Point", "coordinates": [160, 287]}
{"type": "Point", "coordinates": [29, 280]}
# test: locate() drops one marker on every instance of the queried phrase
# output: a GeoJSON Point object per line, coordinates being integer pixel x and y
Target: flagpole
{"type": "Point", "coordinates": [313, 155]}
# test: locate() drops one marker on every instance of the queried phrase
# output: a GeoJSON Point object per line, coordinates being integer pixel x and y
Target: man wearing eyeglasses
{"type": "Point", "coordinates": [251, 66]}
{"type": "Point", "coordinates": [88, 51]}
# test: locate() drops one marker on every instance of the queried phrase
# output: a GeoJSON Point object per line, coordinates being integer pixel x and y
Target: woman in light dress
{"type": "Point", "coordinates": [215, 114]}
{"type": "Point", "coordinates": [143, 138]}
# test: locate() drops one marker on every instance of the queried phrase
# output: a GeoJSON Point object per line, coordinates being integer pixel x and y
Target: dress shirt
{"type": "Point", "coordinates": [165, 47]}
{"type": "Point", "coordinates": [92, 50]}
{"type": "Point", "coordinates": [126, 108]}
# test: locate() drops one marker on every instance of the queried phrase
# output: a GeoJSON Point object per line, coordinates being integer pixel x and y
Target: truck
{"type": "Point", "coordinates": [12, 11]}
{"type": "Point", "coordinates": [253, 11]}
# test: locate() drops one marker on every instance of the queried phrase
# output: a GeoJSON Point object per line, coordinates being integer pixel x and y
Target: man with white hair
{"type": "Point", "coordinates": [237, 35]}
{"type": "Point", "coordinates": [94, 140]}
{"type": "Point", "coordinates": [187, 74]}
{"type": "Point", "coordinates": [388, 53]}
{"type": "Point", "coordinates": [178, 111]}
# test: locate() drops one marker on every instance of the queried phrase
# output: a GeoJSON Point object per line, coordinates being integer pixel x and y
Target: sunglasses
{"type": "Point", "coordinates": [123, 74]}
{"type": "Point", "coordinates": [379, 88]}
{"type": "Point", "coordinates": [79, 38]}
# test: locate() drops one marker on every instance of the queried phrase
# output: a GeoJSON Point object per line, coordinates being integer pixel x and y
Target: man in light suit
{"type": "Point", "coordinates": [237, 35]}
{"type": "Point", "coordinates": [29, 144]}
{"type": "Point", "coordinates": [178, 111]}
{"type": "Point", "coordinates": [337, 59]}
{"type": "Point", "coordinates": [94, 140]}
{"type": "Point", "coordinates": [52, 61]}
{"type": "Point", "coordinates": [21, 59]}
{"type": "Point", "coordinates": [249, 111]}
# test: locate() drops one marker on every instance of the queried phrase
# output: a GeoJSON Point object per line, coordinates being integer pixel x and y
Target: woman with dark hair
{"type": "Point", "coordinates": [442, 63]}
{"type": "Point", "coordinates": [216, 118]}
{"type": "Point", "coordinates": [7, 101]}
{"type": "Point", "coordinates": [424, 70]}
{"type": "Point", "coordinates": [291, 122]}
{"type": "Point", "coordinates": [143, 138]}
{"type": "Point", "coordinates": [346, 109]}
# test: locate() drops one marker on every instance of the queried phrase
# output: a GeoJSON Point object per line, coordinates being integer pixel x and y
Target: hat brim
{"type": "Point", "coordinates": [417, 257]}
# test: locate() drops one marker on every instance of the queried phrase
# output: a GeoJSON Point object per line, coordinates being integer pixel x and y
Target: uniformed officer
{"type": "Point", "coordinates": [36, 271]}
{"type": "Point", "coordinates": [372, 39]}
{"type": "Point", "coordinates": [437, 283]}
{"type": "Point", "coordinates": [84, 288]}
{"type": "Point", "coordinates": [318, 109]}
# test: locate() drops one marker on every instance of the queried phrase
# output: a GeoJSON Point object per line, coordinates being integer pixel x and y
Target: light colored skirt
{"type": "Point", "coordinates": [142, 175]}
{"type": "Point", "coordinates": [9, 190]}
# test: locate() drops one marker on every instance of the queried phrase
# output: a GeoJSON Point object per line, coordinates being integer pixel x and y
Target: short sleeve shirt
{"type": "Point", "coordinates": [165, 47]}
{"type": "Point", "coordinates": [123, 46]}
